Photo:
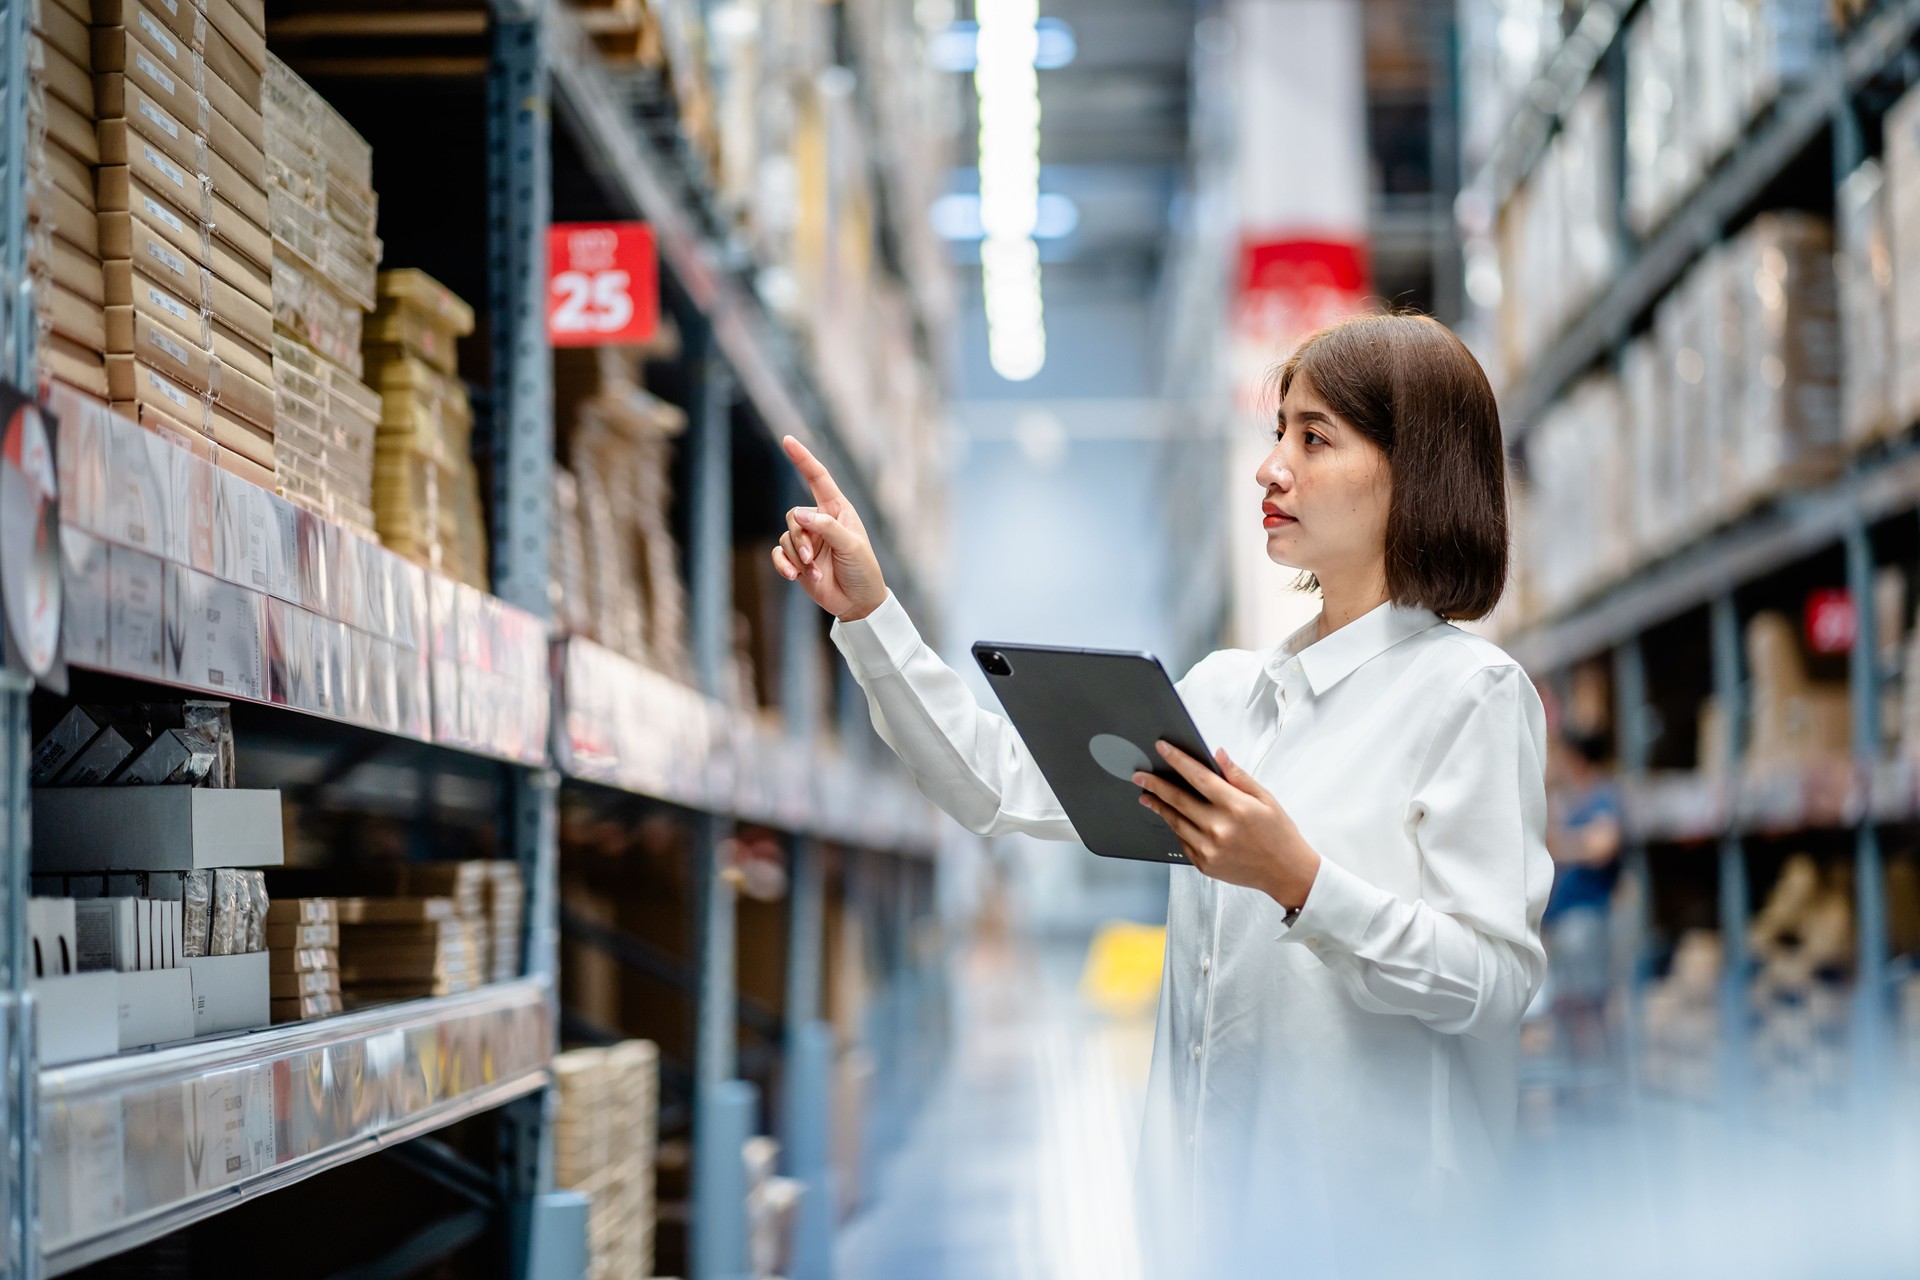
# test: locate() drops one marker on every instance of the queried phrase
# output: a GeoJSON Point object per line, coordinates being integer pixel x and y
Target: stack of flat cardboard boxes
{"type": "Point", "coordinates": [604, 1147]}
{"type": "Point", "coordinates": [325, 254]}
{"type": "Point", "coordinates": [426, 490]}
{"type": "Point", "coordinates": [406, 948]}
{"type": "Point", "coordinates": [181, 191]}
{"type": "Point", "coordinates": [63, 254]}
{"type": "Point", "coordinates": [304, 937]}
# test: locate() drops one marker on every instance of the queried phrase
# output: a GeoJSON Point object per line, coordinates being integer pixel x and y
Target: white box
{"type": "Point", "coordinates": [83, 606]}
{"type": "Point", "coordinates": [155, 829]}
{"type": "Point", "coordinates": [106, 934]}
{"type": "Point", "coordinates": [230, 993]}
{"type": "Point", "coordinates": [135, 635]}
{"type": "Point", "coordinates": [78, 1017]}
{"type": "Point", "coordinates": [50, 926]}
{"type": "Point", "coordinates": [156, 1007]}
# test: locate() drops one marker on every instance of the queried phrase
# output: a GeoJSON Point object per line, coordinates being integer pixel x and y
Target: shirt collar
{"type": "Point", "coordinates": [1325, 663]}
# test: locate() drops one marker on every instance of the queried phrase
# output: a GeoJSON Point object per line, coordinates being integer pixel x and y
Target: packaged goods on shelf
{"type": "Point", "coordinates": [770, 1204]}
{"type": "Point", "coordinates": [1802, 940]}
{"type": "Point", "coordinates": [1558, 237]}
{"type": "Point", "coordinates": [63, 242]}
{"type": "Point", "coordinates": [406, 948]}
{"type": "Point", "coordinates": [426, 489]}
{"type": "Point", "coordinates": [305, 980]}
{"type": "Point", "coordinates": [618, 438]}
{"type": "Point", "coordinates": [187, 742]}
{"type": "Point", "coordinates": [325, 254]}
{"type": "Point", "coordinates": [604, 1147]}
{"type": "Point", "coordinates": [1792, 718]}
{"type": "Point", "coordinates": [1697, 73]}
{"type": "Point", "coordinates": [1864, 278]}
{"type": "Point", "coordinates": [1682, 1020]}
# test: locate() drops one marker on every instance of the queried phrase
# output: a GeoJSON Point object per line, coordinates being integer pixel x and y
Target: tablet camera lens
{"type": "Point", "coordinates": [995, 663]}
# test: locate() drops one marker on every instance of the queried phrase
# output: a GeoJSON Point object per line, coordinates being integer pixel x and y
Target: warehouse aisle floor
{"type": "Point", "coordinates": [1019, 1165]}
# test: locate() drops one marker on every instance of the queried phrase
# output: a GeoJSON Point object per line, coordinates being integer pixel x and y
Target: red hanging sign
{"type": "Point", "coordinates": [603, 284]}
{"type": "Point", "coordinates": [1831, 623]}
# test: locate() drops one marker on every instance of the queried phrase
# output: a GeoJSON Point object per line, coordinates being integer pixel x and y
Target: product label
{"type": "Point", "coordinates": [159, 118]}
{"type": "Point", "coordinates": [172, 7]}
{"type": "Point", "coordinates": [159, 211]}
{"type": "Point", "coordinates": [165, 166]}
{"type": "Point", "coordinates": [173, 350]}
{"type": "Point", "coordinates": [167, 389]}
{"type": "Point", "coordinates": [153, 71]}
{"type": "Point", "coordinates": [158, 35]}
{"type": "Point", "coordinates": [167, 257]}
{"type": "Point", "coordinates": [172, 306]}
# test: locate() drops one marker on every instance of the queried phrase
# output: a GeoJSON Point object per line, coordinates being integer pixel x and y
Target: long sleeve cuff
{"type": "Point", "coordinates": [1338, 911]}
{"type": "Point", "coordinates": [880, 643]}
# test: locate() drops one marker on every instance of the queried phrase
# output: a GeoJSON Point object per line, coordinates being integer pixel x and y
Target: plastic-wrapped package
{"type": "Point", "coordinates": [1864, 263]}
{"type": "Point", "coordinates": [214, 722]}
{"type": "Point", "coordinates": [198, 909]}
{"type": "Point", "coordinates": [256, 883]}
{"type": "Point", "coordinates": [228, 932]}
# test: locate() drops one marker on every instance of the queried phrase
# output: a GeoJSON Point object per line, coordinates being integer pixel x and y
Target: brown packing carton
{"type": "Point", "coordinates": [315, 982]}
{"type": "Point", "coordinates": [147, 117]}
{"type": "Point", "coordinates": [242, 316]}
{"type": "Point", "coordinates": [300, 1008]}
{"type": "Point", "coordinates": [303, 959]}
{"type": "Point", "coordinates": [75, 365]}
{"type": "Point", "coordinates": [67, 80]}
{"type": "Point", "coordinates": [128, 288]}
{"type": "Point", "coordinates": [246, 468]}
{"type": "Point", "coordinates": [77, 271]}
{"type": "Point", "coordinates": [244, 274]}
{"type": "Point", "coordinates": [243, 196]}
{"type": "Point", "coordinates": [68, 218]}
{"type": "Point", "coordinates": [116, 47]}
{"type": "Point", "coordinates": [253, 13]}
{"type": "Point", "coordinates": [172, 430]}
{"type": "Point", "coordinates": [127, 239]}
{"type": "Point", "coordinates": [72, 130]}
{"type": "Point", "coordinates": [244, 116]}
{"type": "Point", "coordinates": [233, 146]}
{"type": "Point", "coordinates": [130, 332]}
{"type": "Point", "coordinates": [149, 165]}
{"type": "Point", "coordinates": [231, 65]}
{"type": "Point", "coordinates": [248, 39]}
{"type": "Point", "coordinates": [250, 440]}
{"type": "Point", "coordinates": [368, 911]}
{"type": "Point", "coordinates": [181, 18]}
{"type": "Point", "coordinates": [303, 911]}
{"type": "Point", "coordinates": [148, 73]}
{"type": "Point", "coordinates": [238, 353]}
{"type": "Point", "coordinates": [74, 317]}
{"type": "Point", "coordinates": [121, 192]}
{"type": "Point", "coordinates": [131, 382]}
{"type": "Point", "coordinates": [247, 237]}
{"type": "Point", "coordinates": [67, 171]}
{"type": "Point", "coordinates": [80, 10]}
{"type": "Point", "coordinates": [239, 393]}
{"type": "Point", "coordinates": [62, 32]}
{"type": "Point", "coordinates": [292, 936]}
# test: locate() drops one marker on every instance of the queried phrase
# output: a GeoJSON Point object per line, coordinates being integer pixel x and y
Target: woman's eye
{"type": "Point", "coordinates": [1314, 437]}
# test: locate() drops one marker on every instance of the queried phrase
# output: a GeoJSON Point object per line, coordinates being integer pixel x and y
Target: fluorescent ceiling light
{"type": "Point", "coordinates": [956, 216]}
{"type": "Point", "coordinates": [956, 48]}
{"type": "Point", "coordinates": [1009, 94]}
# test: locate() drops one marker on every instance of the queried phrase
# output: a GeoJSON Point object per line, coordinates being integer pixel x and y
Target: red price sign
{"type": "Point", "coordinates": [603, 284]}
{"type": "Point", "coordinates": [1831, 622]}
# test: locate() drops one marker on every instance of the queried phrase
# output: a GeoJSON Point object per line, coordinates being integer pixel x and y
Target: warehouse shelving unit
{"type": "Point", "coordinates": [1838, 531]}
{"type": "Point", "coordinates": [384, 1076]}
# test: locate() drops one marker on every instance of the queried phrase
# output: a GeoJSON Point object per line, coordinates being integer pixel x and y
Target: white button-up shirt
{"type": "Point", "coordinates": [1312, 1082]}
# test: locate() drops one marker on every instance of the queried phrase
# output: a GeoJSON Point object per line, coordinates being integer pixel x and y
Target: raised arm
{"type": "Point", "coordinates": [964, 758]}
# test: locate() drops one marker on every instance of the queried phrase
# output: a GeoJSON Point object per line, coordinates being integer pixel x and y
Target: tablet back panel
{"type": "Point", "coordinates": [1090, 717]}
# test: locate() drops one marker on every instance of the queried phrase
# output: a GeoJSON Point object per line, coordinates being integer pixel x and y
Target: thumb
{"type": "Point", "coordinates": [1239, 777]}
{"type": "Point", "coordinates": [831, 531]}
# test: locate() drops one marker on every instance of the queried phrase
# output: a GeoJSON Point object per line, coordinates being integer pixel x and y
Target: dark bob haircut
{"type": "Point", "coordinates": [1412, 387]}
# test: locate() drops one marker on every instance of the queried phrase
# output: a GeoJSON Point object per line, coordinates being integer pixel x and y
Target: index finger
{"type": "Point", "coordinates": [812, 471]}
{"type": "Point", "coordinates": [1204, 780]}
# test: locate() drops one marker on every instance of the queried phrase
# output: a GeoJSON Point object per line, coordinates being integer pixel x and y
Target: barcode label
{"type": "Point", "coordinates": [167, 257]}
{"type": "Point", "coordinates": [153, 71]}
{"type": "Point", "coordinates": [172, 306]}
{"type": "Point", "coordinates": [171, 348]}
{"type": "Point", "coordinates": [159, 117]}
{"type": "Point", "coordinates": [167, 389]}
{"type": "Point", "coordinates": [165, 166]}
{"type": "Point", "coordinates": [159, 36]}
{"type": "Point", "coordinates": [155, 209]}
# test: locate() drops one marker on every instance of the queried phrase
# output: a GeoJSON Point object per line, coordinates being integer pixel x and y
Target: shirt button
{"type": "Point", "coordinates": [1206, 964]}
{"type": "Point", "coordinates": [1196, 1050]}
{"type": "Point", "coordinates": [1313, 942]}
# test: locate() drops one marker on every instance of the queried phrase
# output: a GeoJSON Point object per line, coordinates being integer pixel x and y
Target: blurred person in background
{"type": "Point", "coordinates": [1349, 954]}
{"type": "Point", "coordinates": [1584, 838]}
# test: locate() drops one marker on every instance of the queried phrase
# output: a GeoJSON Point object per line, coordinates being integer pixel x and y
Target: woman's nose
{"type": "Point", "coordinates": [1274, 471]}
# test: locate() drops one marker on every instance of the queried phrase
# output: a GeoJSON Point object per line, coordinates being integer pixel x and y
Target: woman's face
{"type": "Point", "coordinates": [1325, 491]}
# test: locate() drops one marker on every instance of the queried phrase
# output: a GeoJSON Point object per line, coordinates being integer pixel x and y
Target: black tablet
{"type": "Point", "coordinates": [1091, 718]}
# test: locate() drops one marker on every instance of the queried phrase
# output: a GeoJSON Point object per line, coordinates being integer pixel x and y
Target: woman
{"type": "Point", "coordinates": [1349, 955]}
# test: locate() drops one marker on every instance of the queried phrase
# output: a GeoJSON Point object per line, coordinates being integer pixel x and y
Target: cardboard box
{"type": "Point", "coordinates": [113, 43]}
{"type": "Point", "coordinates": [77, 1017]}
{"type": "Point", "coordinates": [250, 276]}
{"type": "Point", "coordinates": [121, 192]}
{"type": "Point", "coordinates": [77, 271]}
{"type": "Point", "coordinates": [132, 382]}
{"type": "Point", "coordinates": [83, 612]}
{"type": "Point", "coordinates": [156, 1007]}
{"type": "Point", "coordinates": [127, 287]}
{"type": "Point", "coordinates": [244, 116]}
{"type": "Point", "coordinates": [61, 745]}
{"type": "Point", "coordinates": [230, 993]}
{"type": "Point", "coordinates": [303, 910]}
{"type": "Point", "coordinates": [152, 168]}
{"type": "Point", "coordinates": [312, 982]}
{"type": "Point", "coordinates": [135, 596]}
{"type": "Point", "coordinates": [301, 1008]}
{"type": "Point", "coordinates": [304, 959]}
{"type": "Point", "coordinates": [61, 32]}
{"type": "Point", "coordinates": [135, 247]}
{"type": "Point", "coordinates": [248, 439]}
{"type": "Point", "coordinates": [72, 130]}
{"type": "Point", "coordinates": [67, 80]}
{"type": "Point", "coordinates": [99, 760]}
{"type": "Point", "coordinates": [132, 334]}
{"type": "Point", "coordinates": [295, 937]}
{"type": "Point", "coordinates": [232, 64]}
{"type": "Point", "coordinates": [74, 318]}
{"type": "Point", "coordinates": [244, 233]}
{"type": "Point", "coordinates": [61, 168]}
{"type": "Point", "coordinates": [180, 20]}
{"type": "Point", "coordinates": [67, 216]}
{"type": "Point", "coordinates": [77, 366]}
{"type": "Point", "coordinates": [245, 468]}
{"type": "Point", "coordinates": [172, 80]}
{"type": "Point", "coordinates": [155, 829]}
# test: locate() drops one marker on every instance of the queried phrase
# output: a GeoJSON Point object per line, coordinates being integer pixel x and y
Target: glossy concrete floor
{"type": "Point", "coordinates": [1019, 1165]}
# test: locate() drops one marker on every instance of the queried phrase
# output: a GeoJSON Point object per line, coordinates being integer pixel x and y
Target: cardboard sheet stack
{"type": "Point", "coordinates": [406, 948]}
{"type": "Point", "coordinates": [63, 248]}
{"type": "Point", "coordinates": [604, 1147]}
{"type": "Point", "coordinates": [426, 490]}
{"type": "Point", "coordinates": [1803, 941]}
{"type": "Point", "coordinates": [181, 191]}
{"type": "Point", "coordinates": [627, 594]}
{"type": "Point", "coordinates": [325, 254]}
{"type": "Point", "coordinates": [304, 936]}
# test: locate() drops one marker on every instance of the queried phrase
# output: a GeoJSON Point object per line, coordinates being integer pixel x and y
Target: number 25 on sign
{"type": "Point", "coordinates": [603, 285]}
